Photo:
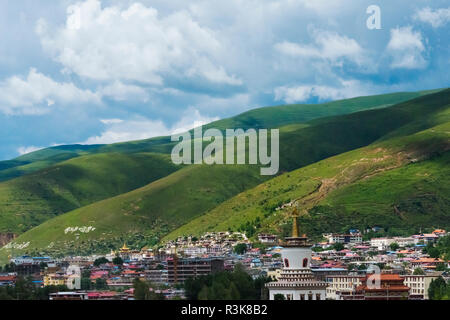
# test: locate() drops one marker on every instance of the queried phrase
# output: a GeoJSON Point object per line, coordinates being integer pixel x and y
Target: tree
{"type": "Point", "coordinates": [394, 246]}
{"type": "Point", "coordinates": [338, 246]}
{"type": "Point", "coordinates": [279, 296]}
{"type": "Point", "coordinates": [418, 271]}
{"type": "Point", "coordinates": [144, 291]}
{"type": "Point", "coordinates": [86, 283]}
{"type": "Point", "coordinates": [100, 261]}
{"type": "Point", "coordinates": [240, 248]}
{"type": "Point", "coordinates": [441, 267]}
{"type": "Point", "coordinates": [101, 284]}
{"type": "Point", "coordinates": [225, 286]}
{"type": "Point", "coordinates": [118, 261]}
{"type": "Point", "coordinates": [439, 290]}
{"type": "Point", "coordinates": [141, 290]}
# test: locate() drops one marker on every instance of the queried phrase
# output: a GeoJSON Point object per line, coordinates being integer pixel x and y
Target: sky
{"type": "Point", "coordinates": [105, 71]}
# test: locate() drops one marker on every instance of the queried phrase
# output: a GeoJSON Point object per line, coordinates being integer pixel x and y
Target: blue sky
{"type": "Point", "coordinates": [103, 71]}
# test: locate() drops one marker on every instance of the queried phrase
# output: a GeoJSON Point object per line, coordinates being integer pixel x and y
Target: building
{"type": "Point", "coordinates": [405, 241]}
{"type": "Point", "coordinates": [68, 296]}
{"type": "Point", "coordinates": [419, 284]}
{"type": "Point", "coordinates": [179, 270]}
{"type": "Point", "coordinates": [296, 281]}
{"type": "Point", "coordinates": [125, 252]}
{"type": "Point", "coordinates": [322, 273]}
{"type": "Point", "coordinates": [7, 279]}
{"type": "Point", "coordinates": [54, 279]}
{"type": "Point", "coordinates": [27, 266]}
{"type": "Point", "coordinates": [157, 276]}
{"type": "Point", "coordinates": [426, 263]}
{"type": "Point", "coordinates": [343, 238]}
{"type": "Point", "coordinates": [341, 285]}
{"type": "Point", "coordinates": [381, 243]}
{"type": "Point", "coordinates": [267, 238]}
{"type": "Point", "coordinates": [381, 287]}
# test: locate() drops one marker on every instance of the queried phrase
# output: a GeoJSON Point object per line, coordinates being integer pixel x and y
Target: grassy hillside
{"type": "Point", "coordinates": [399, 184]}
{"type": "Point", "coordinates": [29, 200]}
{"type": "Point", "coordinates": [168, 203]}
{"type": "Point", "coordinates": [150, 211]}
{"type": "Point", "coordinates": [278, 116]}
{"type": "Point", "coordinates": [268, 117]}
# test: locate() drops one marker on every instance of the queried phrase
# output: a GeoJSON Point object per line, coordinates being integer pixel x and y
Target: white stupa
{"type": "Point", "coordinates": [296, 281]}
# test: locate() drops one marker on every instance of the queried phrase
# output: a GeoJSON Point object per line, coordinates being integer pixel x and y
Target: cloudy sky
{"type": "Point", "coordinates": [103, 71]}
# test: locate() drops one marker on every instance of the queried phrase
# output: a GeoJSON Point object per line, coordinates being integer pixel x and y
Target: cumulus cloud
{"type": "Point", "coordinates": [302, 93]}
{"type": "Point", "coordinates": [37, 93]}
{"type": "Point", "coordinates": [136, 43]}
{"type": "Point", "coordinates": [124, 92]}
{"type": "Point", "coordinates": [139, 128]}
{"type": "Point", "coordinates": [406, 48]}
{"type": "Point", "coordinates": [328, 46]}
{"type": "Point", "coordinates": [436, 18]}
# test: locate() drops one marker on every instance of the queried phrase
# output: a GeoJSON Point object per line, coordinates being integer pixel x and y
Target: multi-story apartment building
{"type": "Point", "coordinates": [342, 285]}
{"type": "Point", "coordinates": [179, 270]}
{"type": "Point", "coordinates": [343, 238]}
{"type": "Point", "coordinates": [419, 285]}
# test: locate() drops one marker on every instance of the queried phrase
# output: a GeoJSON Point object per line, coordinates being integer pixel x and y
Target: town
{"type": "Point", "coordinates": [341, 267]}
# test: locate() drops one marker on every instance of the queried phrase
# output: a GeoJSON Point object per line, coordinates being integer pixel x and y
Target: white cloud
{"type": "Point", "coordinates": [302, 93]}
{"type": "Point", "coordinates": [139, 128]}
{"type": "Point", "coordinates": [437, 18]}
{"type": "Point", "coordinates": [328, 46]}
{"type": "Point", "coordinates": [124, 92]}
{"type": "Point", "coordinates": [25, 150]}
{"type": "Point", "coordinates": [406, 48]}
{"type": "Point", "coordinates": [111, 121]}
{"type": "Point", "coordinates": [36, 93]}
{"type": "Point", "coordinates": [191, 119]}
{"type": "Point", "coordinates": [135, 44]}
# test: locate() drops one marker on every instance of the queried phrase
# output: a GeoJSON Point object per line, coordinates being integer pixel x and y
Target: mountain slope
{"type": "Point", "coordinates": [151, 211]}
{"type": "Point", "coordinates": [400, 184]}
{"type": "Point", "coordinates": [29, 200]}
{"type": "Point", "coordinates": [268, 117]}
{"type": "Point", "coordinates": [51, 191]}
{"type": "Point", "coordinates": [154, 211]}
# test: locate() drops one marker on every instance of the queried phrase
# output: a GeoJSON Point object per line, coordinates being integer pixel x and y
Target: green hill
{"type": "Point", "coordinates": [27, 201]}
{"type": "Point", "coordinates": [30, 200]}
{"type": "Point", "coordinates": [268, 117]}
{"type": "Point", "coordinates": [145, 214]}
{"type": "Point", "coordinates": [400, 184]}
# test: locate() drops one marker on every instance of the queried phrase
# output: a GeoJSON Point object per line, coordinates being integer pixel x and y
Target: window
{"type": "Point", "coordinates": [286, 263]}
{"type": "Point", "coordinates": [317, 296]}
{"type": "Point", "coordinates": [305, 262]}
{"type": "Point", "coordinates": [302, 297]}
{"type": "Point", "coordinates": [310, 296]}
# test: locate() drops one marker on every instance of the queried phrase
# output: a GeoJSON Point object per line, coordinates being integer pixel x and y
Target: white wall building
{"type": "Point", "coordinates": [339, 284]}
{"type": "Point", "coordinates": [296, 281]}
{"type": "Point", "coordinates": [381, 243]}
{"type": "Point", "coordinates": [419, 284]}
{"type": "Point", "coordinates": [343, 238]}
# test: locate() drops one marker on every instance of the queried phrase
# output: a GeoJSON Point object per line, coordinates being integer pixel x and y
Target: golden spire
{"type": "Point", "coordinates": [295, 233]}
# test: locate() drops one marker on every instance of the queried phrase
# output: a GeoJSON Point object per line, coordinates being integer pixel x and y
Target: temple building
{"type": "Point", "coordinates": [125, 252]}
{"type": "Point", "coordinates": [390, 287]}
{"type": "Point", "coordinates": [296, 281]}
